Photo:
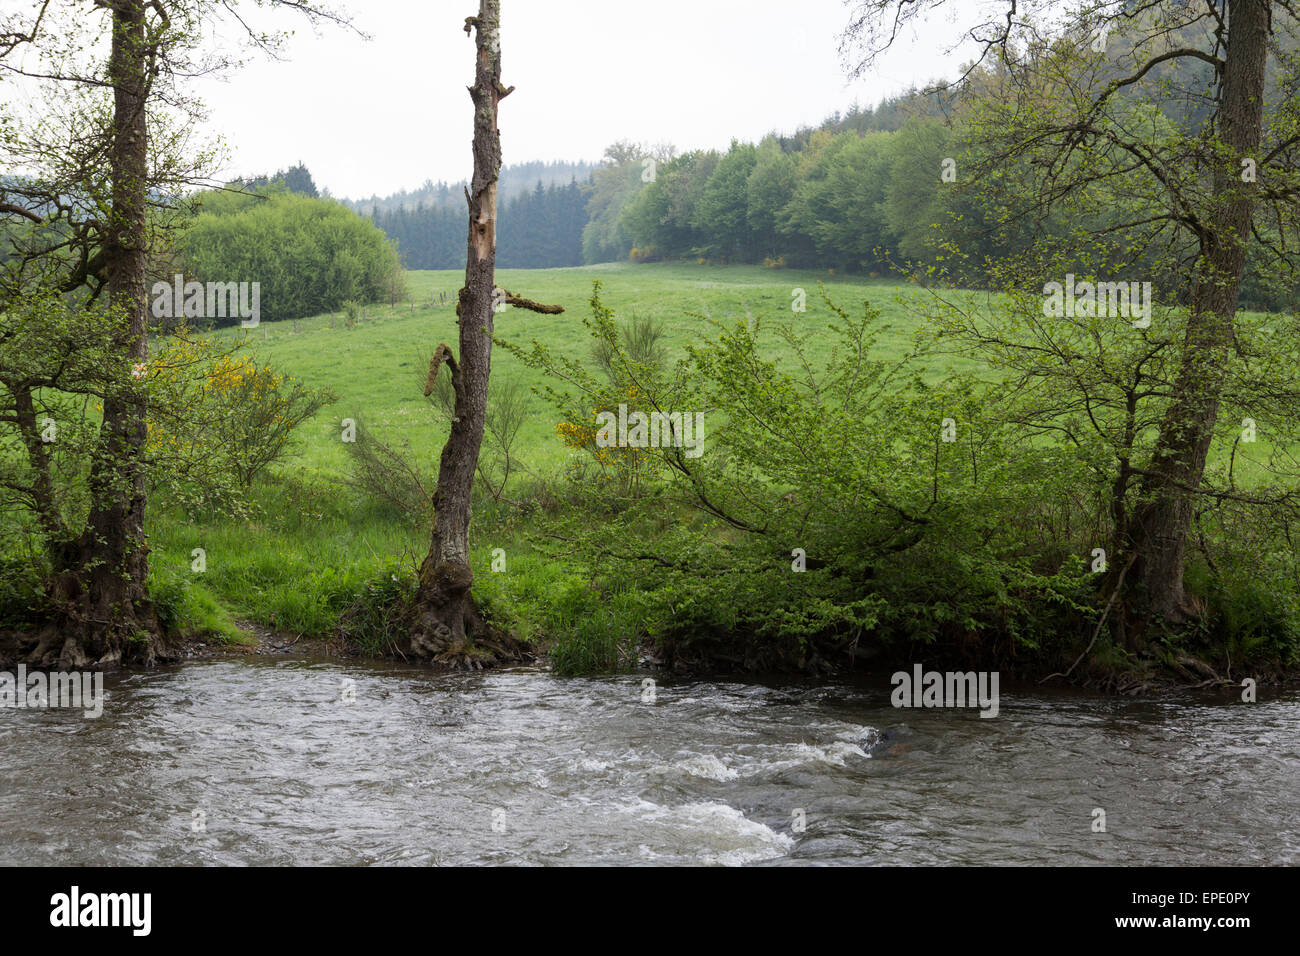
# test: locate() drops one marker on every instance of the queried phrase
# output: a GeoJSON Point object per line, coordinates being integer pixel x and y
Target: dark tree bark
{"type": "Point", "coordinates": [447, 627]}
{"type": "Point", "coordinates": [101, 612]}
{"type": "Point", "coordinates": [1163, 520]}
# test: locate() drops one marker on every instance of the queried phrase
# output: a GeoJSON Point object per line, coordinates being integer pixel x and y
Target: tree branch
{"type": "Point", "coordinates": [441, 354]}
{"type": "Point", "coordinates": [19, 211]}
{"type": "Point", "coordinates": [519, 302]}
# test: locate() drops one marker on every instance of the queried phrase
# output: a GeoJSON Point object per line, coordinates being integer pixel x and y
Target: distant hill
{"type": "Point", "coordinates": [516, 180]}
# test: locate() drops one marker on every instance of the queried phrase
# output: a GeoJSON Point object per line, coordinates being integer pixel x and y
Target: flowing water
{"type": "Point", "coordinates": [266, 761]}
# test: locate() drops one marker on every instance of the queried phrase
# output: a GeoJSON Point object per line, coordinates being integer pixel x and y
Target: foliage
{"type": "Point", "coordinates": [826, 505]}
{"type": "Point", "coordinates": [185, 606]}
{"type": "Point", "coordinates": [999, 574]}
{"type": "Point", "coordinates": [385, 474]}
{"type": "Point", "coordinates": [219, 420]}
{"type": "Point", "coordinates": [58, 364]}
{"type": "Point", "coordinates": [309, 255]}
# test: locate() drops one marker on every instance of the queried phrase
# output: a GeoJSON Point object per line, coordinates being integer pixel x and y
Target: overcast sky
{"type": "Point", "coordinates": [378, 115]}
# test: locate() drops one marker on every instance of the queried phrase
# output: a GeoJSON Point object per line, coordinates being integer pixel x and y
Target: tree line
{"type": "Point", "coordinates": [541, 229]}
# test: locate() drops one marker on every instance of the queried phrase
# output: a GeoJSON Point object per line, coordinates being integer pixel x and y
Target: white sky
{"type": "Point", "coordinates": [388, 113]}
{"type": "Point", "coordinates": [374, 116]}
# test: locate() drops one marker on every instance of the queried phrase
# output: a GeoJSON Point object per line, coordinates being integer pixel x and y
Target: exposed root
{"type": "Point", "coordinates": [448, 630]}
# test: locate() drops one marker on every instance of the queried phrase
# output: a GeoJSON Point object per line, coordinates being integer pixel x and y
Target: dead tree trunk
{"type": "Point", "coordinates": [102, 614]}
{"type": "Point", "coordinates": [1163, 519]}
{"type": "Point", "coordinates": [447, 627]}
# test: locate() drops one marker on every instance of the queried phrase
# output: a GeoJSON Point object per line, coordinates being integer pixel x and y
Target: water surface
{"type": "Point", "coordinates": [263, 761]}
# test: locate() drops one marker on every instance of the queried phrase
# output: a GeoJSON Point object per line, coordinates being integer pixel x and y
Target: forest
{"type": "Point", "coordinates": [780, 202]}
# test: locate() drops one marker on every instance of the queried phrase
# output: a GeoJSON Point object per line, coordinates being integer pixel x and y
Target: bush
{"type": "Point", "coordinates": [218, 421]}
{"type": "Point", "coordinates": [375, 622]}
{"type": "Point", "coordinates": [388, 475]}
{"type": "Point", "coordinates": [21, 592]}
{"type": "Point", "coordinates": [823, 512]}
{"type": "Point", "coordinates": [310, 255]}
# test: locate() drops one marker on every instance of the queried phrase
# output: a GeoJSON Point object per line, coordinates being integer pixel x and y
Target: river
{"type": "Point", "coordinates": [269, 761]}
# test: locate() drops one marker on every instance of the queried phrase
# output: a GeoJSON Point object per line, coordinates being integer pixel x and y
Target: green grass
{"type": "Point", "coordinates": [316, 544]}
{"type": "Point", "coordinates": [377, 368]}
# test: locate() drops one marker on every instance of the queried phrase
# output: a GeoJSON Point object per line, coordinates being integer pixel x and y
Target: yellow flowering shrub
{"type": "Point", "coordinates": [218, 419]}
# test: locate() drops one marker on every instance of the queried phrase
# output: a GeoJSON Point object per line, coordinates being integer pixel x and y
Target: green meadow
{"type": "Point", "coordinates": [377, 368]}
{"type": "Point", "coordinates": [316, 542]}
{"type": "Point", "coordinates": [317, 545]}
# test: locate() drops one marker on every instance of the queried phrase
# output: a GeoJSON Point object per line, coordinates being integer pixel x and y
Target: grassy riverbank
{"type": "Point", "coordinates": [318, 544]}
{"type": "Point", "coordinates": [1007, 584]}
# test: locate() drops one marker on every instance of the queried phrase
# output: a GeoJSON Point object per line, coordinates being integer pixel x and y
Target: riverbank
{"type": "Point", "coordinates": [366, 627]}
{"type": "Point", "coordinates": [1147, 677]}
{"type": "Point", "coordinates": [916, 549]}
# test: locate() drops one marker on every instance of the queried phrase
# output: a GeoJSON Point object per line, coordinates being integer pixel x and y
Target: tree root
{"type": "Point", "coordinates": [448, 630]}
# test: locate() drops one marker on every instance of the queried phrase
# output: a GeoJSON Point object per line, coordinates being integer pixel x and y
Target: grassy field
{"type": "Point", "coordinates": [317, 543]}
{"type": "Point", "coordinates": [377, 368]}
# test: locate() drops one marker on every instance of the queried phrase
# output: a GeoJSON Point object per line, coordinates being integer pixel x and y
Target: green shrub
{"type": "Point", "coordinates": [21, 592]}
{"type": "Point", "coordinates": [309, 255]}
{"type": "Point", "coordinates": [375, 621]}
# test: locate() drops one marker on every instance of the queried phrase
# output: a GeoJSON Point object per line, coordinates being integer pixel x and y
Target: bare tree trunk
{"type": "Point", "coordinates": [1164, 516]}
{"type": "Point", "coordinates": [447, 627]}
{"type": "Point", "coordinates": [102, 614]}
